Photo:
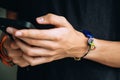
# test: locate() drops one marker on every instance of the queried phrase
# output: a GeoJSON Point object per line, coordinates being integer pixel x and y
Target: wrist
{"type": "Point", "coordinates": [89, 43]}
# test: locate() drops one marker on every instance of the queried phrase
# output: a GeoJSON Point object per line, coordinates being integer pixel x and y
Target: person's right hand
{"type": "Point", "coordinates": [15, 53]}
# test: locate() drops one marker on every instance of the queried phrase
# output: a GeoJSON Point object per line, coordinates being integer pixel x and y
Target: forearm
{"type": "Point", "coordinates": [106, 52]}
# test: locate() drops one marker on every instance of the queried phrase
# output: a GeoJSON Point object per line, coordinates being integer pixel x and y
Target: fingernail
{"type": "Point", "coordinates": [40, 20]}
{"type": "Point", "coordinates": [9, 30]}
{"type": "Point", "coordinates": [18, 33]}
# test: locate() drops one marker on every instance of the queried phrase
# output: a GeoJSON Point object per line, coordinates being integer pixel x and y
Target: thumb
{"type": "Point", "coordinates": [52, 19]}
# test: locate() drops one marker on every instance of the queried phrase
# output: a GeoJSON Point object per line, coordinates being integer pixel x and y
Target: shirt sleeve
{"type": "Point", "coordinates": [9, 4]}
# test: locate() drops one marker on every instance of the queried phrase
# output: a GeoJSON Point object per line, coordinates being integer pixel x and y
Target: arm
{"type": "Point", "coordinates": [106, 52]}
{"type": "Point", "coordinates": [61, 42]}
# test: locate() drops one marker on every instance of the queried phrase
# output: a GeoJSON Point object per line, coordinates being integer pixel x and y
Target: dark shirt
{"type": "Point", "coordinates": [101, 17]}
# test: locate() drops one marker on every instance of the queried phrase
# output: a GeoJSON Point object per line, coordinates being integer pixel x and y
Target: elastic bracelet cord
{"type": "Point", "coordinates": [86, 52]}
{"type": "Point", "coordinates": [5, 59]}
{"type": "Point", "coordinates": [79, 58]}
{"type": "Point", "coordinates": [90, 43]}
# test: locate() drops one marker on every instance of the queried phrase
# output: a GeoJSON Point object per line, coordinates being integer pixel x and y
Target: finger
{"type": "Point", "coordinates": [57, 21]}
{"type": "Point", "coordinates": [14, 53]}
{"type": "Point", "coordinates": [7, 44]}
{"type": "Point", "coordinates": [37, 60]}
{"type": "Point", "coordinates": [36, 34]}
{"type": "Point", "coordinates": [16, 56]}
{"type": "Point", "coordinates": [33, 51]}
{"type": "Point", "coordinates": [14, 45]}
{"type": "Point", "coordinates": [11, 30]}
{"type": "Point", "coordinates": [20, 61]}
{"type": "Point", "coordinates": [41, 43]}
{"type": "Point", "coordinates": [50, 34]}
{"type": "Point", "coordinates": [31, 33]}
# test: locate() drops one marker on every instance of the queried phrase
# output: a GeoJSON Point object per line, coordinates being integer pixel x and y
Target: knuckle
{"type": "Point", "coordinates": [10, 55]}
{"type": "Point", "coordinates": [25, 34]}
{"type": "Point", "coordinates": [53, 53]}
{"type": "Point", "coordinates": [53, 48]}
{"type": "Point", "coordinates": [50, 14]}
{"type": "Point", "coordinates": [50, 18]}
{"type": "Point", "coordinates": [32, 63]}
{"type": "Point", "coordinates": [58, 37]}
{"type": "Point", "coordinates": [14, 46]}
{"type": "Point", "coordinates": [55, 19]}
{"type": "Point", "coordinates": [50, 59]}
{"type": "Point", "coordinates": [15, 61]}
{"type": "Point", "coordinates": [29, 52]}
{"type": "Point", "coordinates": [31, 41]}
{"type": "Point", "coordinates": [62, 18]}
{"type": "Point", "coordinates": [23, 65]}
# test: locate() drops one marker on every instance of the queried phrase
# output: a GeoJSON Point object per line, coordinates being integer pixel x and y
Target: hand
{"type": "Point", "coordinates": [42, 46]}
{"type": "Point", "coordinates": [15, 53]}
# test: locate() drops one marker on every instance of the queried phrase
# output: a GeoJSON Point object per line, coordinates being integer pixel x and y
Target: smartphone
{"type": "Point", "coordinates": [4, 23]}
{"type": "Point", "coordinates": [19, 24]}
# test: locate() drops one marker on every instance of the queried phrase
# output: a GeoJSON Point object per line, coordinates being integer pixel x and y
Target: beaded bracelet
{"type": "Point", "coordinates": [90, 42]}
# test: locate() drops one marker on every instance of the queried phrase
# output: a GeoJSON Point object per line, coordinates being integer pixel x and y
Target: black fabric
{"type": "Point", "coordinates": [9, 4]}
{"type": "Point", "coordinates": [101, 17]}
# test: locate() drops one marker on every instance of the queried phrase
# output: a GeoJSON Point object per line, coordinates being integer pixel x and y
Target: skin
{"type": "Point", "coordinates": [13, 50]}
{"type": "Point", "coordinates": [35, 46]}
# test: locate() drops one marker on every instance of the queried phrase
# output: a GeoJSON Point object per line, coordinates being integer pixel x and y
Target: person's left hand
{"type": "Point", "coordinates": [46, 45]}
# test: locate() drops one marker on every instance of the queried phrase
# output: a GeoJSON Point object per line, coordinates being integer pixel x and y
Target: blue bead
{"type": "Point", "coordinates": [87, 33]}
